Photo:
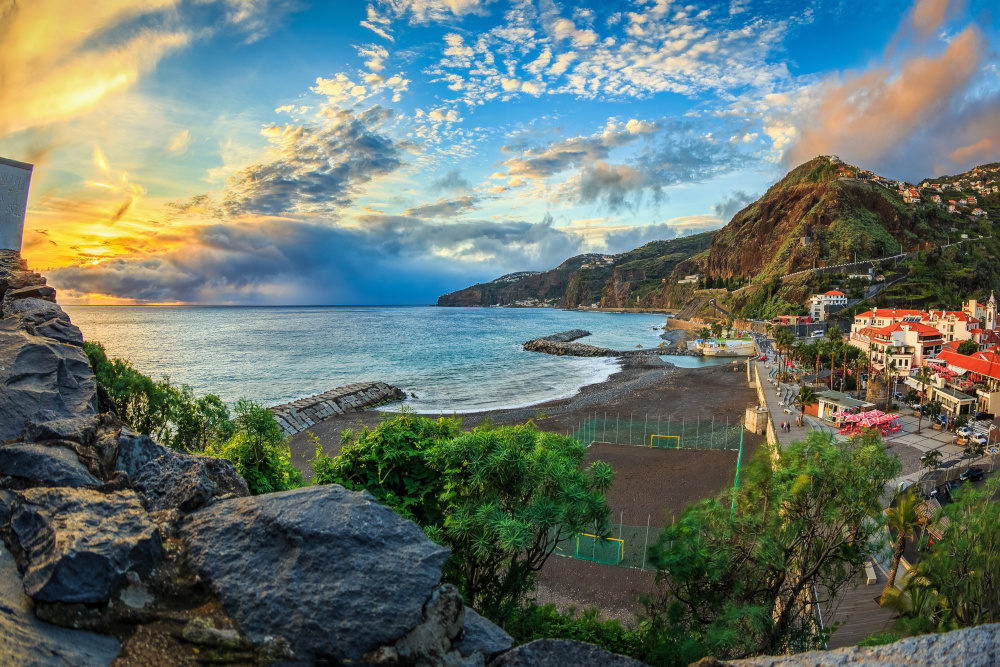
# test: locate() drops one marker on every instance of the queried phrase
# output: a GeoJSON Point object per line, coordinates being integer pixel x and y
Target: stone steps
{"type": "Point", "coordinates": [299, 415]}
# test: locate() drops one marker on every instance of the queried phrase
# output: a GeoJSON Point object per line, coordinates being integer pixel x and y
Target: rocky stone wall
{"type": "Point", "coordinates": [299, 415]}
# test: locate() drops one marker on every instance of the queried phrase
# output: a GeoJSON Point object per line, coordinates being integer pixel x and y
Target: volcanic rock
{"type": "Point", "coordinates": [331, 571]}
{"type": "Point", "coordinates": [77, 544]}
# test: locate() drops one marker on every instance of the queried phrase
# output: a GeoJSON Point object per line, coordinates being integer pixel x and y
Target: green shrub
{"type": "Point", "coordinates": [533, 622]}
{"type": "Point", "coordinates": [172, 415]}
{"type": "Point", "coordinates": [259, 450]}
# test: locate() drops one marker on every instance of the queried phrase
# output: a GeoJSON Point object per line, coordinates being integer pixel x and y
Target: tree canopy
{"type": "Point", "coordinates": [733, 588]}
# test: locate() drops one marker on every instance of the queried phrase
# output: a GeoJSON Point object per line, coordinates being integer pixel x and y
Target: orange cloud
{"type": "Point", "coordinates": [51, 72]}
{"type": "Point", "coordinates": [865, 116]}
{"type": "Point", "coordinates": [928, 16]}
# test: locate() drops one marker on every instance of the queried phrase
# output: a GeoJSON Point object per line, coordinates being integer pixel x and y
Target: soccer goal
{"type": "Point", "coordinates": [607, 550]}
{"type": "Point", "coordinates": [665, 441]}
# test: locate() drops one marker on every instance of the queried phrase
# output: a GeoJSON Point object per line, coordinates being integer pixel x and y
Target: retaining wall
{"type": "Point", "coordinates": [299, 415]}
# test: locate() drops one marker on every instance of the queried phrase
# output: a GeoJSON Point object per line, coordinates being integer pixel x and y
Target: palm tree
{"type": "Point", "coordinates": [924, 378]}
{"type": "Point", "coordinates": [903, 520]}
{"type": "Point", "coordinates": [806, 397]}
{"type": "Point", "coordinates": [890, 372]}
{"type": "Point", "coordinates": [783, 340]}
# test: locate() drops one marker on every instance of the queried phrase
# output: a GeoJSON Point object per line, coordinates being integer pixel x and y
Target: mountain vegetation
{"type": "Point", "coordinates": [632, 279]}
{"type": "Point", "coordinates": [785, 246]}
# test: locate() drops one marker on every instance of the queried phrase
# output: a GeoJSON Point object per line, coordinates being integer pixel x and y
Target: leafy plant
{"type": "Point", "coordinates": [533, 622]}
{"type": "Point", "coordinates": [259, 450]}
{"type": "Point", "coordinates": [743, 586]}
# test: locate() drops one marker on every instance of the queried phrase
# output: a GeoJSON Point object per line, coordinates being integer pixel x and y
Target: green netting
{"type": "Point", "coordinates": [625, 545]}
{"type": "Point", "coordinates": [609, 551]}
{"type": "Point", "coordinates": [660, 432]}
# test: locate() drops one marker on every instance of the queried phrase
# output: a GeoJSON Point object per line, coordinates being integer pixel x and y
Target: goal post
{"type": "Point", "coordinates": [654, 443]}
{"type": "Point", "coordinates": [607, 550]}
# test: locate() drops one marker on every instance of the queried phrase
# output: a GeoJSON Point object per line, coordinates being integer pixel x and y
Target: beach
{"type": "Point", "coordinates": [652, 486]}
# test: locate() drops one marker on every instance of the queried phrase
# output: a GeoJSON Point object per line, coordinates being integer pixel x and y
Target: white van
{"type": "Point", "coordinates": [818, 334]}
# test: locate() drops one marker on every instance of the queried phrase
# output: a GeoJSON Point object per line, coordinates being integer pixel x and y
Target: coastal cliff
{"type": "Point", "coordinates": [634, 279]}
{"type": "Point", "coordinates": [117, 548]}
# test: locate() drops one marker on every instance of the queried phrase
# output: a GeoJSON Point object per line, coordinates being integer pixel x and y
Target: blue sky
{"type": "Point", "coordinates": [287, 151]}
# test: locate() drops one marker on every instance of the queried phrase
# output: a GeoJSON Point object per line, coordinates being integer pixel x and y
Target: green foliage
{"type": "Point", "coordinates": [533, 622]}
{"type": "Point", "coordinates": [172, 415]}
{"type": "Point", "coordinates": [957, 581]}
{"type": "Point", "coordinates": [500, 497]}
{"type": "Point", "coordinates": [968, 347]}
{"type": "Point", "coordinates": [733, 588]}
{"type": "Point", "coordinates": [259, 450]}
{"type": "Point", "coordinates": [880, 638]}
{"type": "Point", "coordinates": [391, 463]}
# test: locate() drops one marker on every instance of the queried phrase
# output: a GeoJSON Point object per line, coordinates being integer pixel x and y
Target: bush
{"type": "Point", "coordinates": [171, 415]}
{"type": "Point", "coordinates": [259, 450]}
{"type": "Point", "coordinates": [500, 497]}
{"type": "Point", "coordinates": [533, 622]}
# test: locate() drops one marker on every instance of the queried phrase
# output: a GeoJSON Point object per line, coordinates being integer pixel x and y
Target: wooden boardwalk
{"type": "Point", "coordinates": [857, 612]}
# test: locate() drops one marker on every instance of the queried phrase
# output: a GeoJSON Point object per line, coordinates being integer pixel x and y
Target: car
{"type": "Point", "coordinates": [899, 396]}
{"type": "Point", "coordinates": [941, 419]}
{"type": "Point", "coordinates": [963, 432]}
{"type": "Point", "coordinates": [978, 438]}
{"type": "Point", "coordinates": [973, 474]}
{"type": "Point", "coordinates": [984, 415]}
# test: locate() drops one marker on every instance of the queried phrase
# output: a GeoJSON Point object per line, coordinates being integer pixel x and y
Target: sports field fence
{"type": "Point", "coordinates": [657, 431]}
{"type": "Point", "coordinates": [622, 544]}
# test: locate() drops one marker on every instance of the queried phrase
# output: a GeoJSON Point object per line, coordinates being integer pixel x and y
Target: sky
{"type": "Point", "coordinates": [386, 152]}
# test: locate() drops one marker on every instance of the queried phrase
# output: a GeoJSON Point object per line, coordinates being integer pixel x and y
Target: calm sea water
{"type": "Point", "coordinates": [453, 359]}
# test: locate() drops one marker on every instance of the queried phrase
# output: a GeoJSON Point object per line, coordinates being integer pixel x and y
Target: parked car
{"type": "Point", "coordinates": [899, 396]}
{"type": "Point", "coordinates": [942, 419]}
{"type": "Point", "coordinates": [963, 432]}
{"type": "Point", "coordinates": [978, 438]}
{"type": "Point", "coordinates": [973, 474]}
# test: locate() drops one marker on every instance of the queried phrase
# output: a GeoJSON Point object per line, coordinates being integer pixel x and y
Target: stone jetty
{"type": "Point", "coordinates": [562, 345]}
{"type": "Point", "coordinates": [299, 415]}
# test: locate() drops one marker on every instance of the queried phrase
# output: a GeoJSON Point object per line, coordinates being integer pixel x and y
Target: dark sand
{"type": "Point", "coordinates": [650, 483]}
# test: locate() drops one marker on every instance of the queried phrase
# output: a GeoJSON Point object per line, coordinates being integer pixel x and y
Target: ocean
{"type": "Point", "coordinates": [450, 359]}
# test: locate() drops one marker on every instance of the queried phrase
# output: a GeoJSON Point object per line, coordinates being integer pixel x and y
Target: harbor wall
{"type": "Point", "coordinates": [299, 415]}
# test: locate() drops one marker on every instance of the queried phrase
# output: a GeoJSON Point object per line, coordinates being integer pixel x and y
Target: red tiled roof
{"type": "Point", "coordinates": [834, 292]}
{"type": "Point", "coordinates": [983, 363]}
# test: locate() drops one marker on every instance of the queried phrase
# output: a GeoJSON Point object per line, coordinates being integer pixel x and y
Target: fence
{"type": "Point", "coordinates": [623, 545]}
{"type": "Point", "coordinates": [660, 432]}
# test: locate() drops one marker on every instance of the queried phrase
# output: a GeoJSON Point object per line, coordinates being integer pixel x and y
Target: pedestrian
{"type": "Point", "coordinates": [782, 427]}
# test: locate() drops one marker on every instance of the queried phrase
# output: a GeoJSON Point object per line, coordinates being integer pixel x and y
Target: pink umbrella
{"type": "Point", "coordinates": [851, 419]}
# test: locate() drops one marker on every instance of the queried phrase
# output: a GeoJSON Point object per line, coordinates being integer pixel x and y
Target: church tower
{"type": "Point", "coordinates": [991, 312]}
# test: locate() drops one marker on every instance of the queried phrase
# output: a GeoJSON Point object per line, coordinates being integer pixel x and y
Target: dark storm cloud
{"type": "Point", "coordinates": [318, 167]}
{"type": "Point", "coordinates": [391, 259]}
{"type": "Point", "coordinates": [443, 208]}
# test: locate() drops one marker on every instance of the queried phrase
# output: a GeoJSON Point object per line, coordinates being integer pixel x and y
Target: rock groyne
{"type": "Point", "coordinates": [561, 345]}
{"type": "Point", "coordinates": [299, 415]}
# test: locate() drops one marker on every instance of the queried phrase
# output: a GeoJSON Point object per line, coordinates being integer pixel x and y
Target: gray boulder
{"type": "Point", "coordinates": [330, 571]}
{"type": "Point", "coordinates": [77, 544]}
{"type": "Point", "coordinates": [32, 464]}
{"type": "Point", "coordinates": [25, 640]}
{"type": "Point", "coordinates": [135, 451]}
{"type": "Point", "coordinates": [187, 481]}
{"type": "Point", "coordinates": [482, 636]}
{"type": "Point", "coordinates": [40, 374]}
{"type": "Point", "coordinates": [559, 652]}
{"type": "Point", "coordinates": [52, 426]}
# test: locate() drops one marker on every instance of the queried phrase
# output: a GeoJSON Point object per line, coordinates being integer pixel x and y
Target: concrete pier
{"type": "Point", "coordinates": [299, 415]}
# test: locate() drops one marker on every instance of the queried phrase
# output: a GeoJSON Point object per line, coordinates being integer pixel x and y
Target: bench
{"type": "Point", "coordinates": [870, 577]}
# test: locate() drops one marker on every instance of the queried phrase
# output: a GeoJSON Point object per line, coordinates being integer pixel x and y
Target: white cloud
{"type": "Point", "coordinates": [178, 144]}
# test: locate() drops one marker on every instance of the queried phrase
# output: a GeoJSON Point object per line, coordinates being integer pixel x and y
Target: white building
{"type": "Point", "coordinates": [821, 304]}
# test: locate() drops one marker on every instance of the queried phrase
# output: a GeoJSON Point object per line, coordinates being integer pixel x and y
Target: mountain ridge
{"type": "Point", "coordinates": [823, 212]}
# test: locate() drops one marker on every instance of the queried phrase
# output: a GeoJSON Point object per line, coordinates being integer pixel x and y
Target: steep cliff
{"type": "Point", "coordinates": [638, 278]}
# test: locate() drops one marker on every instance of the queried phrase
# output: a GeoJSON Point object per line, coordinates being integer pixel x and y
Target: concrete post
{"type": "Point", "coordinates": [14, 179]}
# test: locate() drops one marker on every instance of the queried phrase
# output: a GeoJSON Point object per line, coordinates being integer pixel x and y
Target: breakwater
{"type": "Point", "coordinates": [299, 415]}
{"type": "Point", "coordinates": [562, 345]}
